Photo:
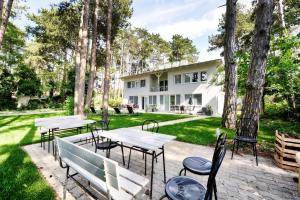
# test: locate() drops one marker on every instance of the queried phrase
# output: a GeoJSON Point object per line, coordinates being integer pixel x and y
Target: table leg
{"type": "Point", "coordinates": [164, 163]}
{"type": "Point", "coordinates": [152, 172]}
{"type": "Point", "coordinates": [49, 135]}
{"type": "Point", "coordinates": [53, 142]}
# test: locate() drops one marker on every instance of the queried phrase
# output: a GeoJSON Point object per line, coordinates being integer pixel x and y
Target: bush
{"type": "Point", "coordinates": [276, 109]}
{"type": "Point", "coordinates": [115, 102]}
{"type": "Point", "coordinates": [69, 105]}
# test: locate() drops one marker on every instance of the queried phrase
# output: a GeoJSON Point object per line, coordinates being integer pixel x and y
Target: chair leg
{"type": "Point", "coordinates": [253, 148]}
{"type": "Point", "coordinates": [155, 157]}
{"type": "Point", "coordinates": [183, 169]}
{"type": "Point", "coordinates": [215, 189]}
{"type": "Point", "coordinates": [232, 149]}
{"type": "Point", "coordinates": [256, 155]}
{"type": "Point", "coordinates": [145, 164]}
{"type": "Point", "coordinates": [164, 196]}
{"type": "Point", "coordinates": [95, 149]}
{"type": "Point", "coordinates": [129, 158]}
{"type": "Point", "coordinates": [237, 146]}
{"type": "Point", "coordinates": [123, 154]}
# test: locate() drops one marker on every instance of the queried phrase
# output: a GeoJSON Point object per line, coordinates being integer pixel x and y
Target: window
{"type": "Point", "coordinates": [161, 99]}
{"type": "Point", "coordinates": [129, 84]}
{"type": "Point", "coordinates": [188, 99]}
{"type": "Point", "coordinates": [132, 84]}
{"type": "Point", "coordinates": [133, 100]}
{"type": "Point", "coordinates": [187, 78]}
{"type": "Point", "coordinates": [178, 99]}
{"type": "Point", "coordinates": [197, 99]}
{"type": "Point", "coordinates": [203, 76]}
{"type": "Point", "coordinates": [137, 83]}
{"type": "Point", "coordinates": [143, 83]}
{"type": "Point", "coordinates": [195, 77]}
{"type": "Point", "coordinates": [178, 79]}
{"type": "Point", "coordinates": [152, 100]}
{"type": "Point", "coordinates": [193, 99]}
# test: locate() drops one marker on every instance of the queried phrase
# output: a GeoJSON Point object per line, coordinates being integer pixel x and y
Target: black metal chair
{"type": "Point", "coordinates": [183, 187]}
{"type": "Point", "coordinates": [105, 145]}
{"type": "Point", "coordinates": [245, 136]}
{"type": "Point", "coordinates": [130, 110]}
{"type": "Point", "coordinates": [148, 125]}
{"type": "Point", "coordinates": [117, 111]}
{"type": "Point", "coordinates": [200, 165]}
{"type": "Point", "coordinates": [93, 110]}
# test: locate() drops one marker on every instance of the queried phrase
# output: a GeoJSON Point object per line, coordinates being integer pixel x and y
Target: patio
{"type": "Point", "coordinates": [237, 179]}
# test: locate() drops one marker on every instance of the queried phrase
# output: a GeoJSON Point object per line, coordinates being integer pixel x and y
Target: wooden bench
{"type": "Point", "coordinates": [103, 174]}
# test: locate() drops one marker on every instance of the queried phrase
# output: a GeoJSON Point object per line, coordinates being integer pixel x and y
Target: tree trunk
{"type": "Point", "coordinates": [256, 74]}
{"type": "Point", "coordinates": [93, 70]}
{"type": "Point", "coordinates": [4, 19]}
{"type": "Point", "coordinates": [108, 63]}
{"type": "Point", "coordinates": [81, 59]}
{"type": "Point", "coordinates": [229, 110]}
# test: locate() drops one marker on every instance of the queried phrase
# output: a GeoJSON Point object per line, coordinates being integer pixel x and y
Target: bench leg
{"type": "Point", "coordinates": [122, 149]}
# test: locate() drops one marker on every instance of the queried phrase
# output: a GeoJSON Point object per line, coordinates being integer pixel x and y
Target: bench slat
{"type": "Point", "coordinates": [133, 177]}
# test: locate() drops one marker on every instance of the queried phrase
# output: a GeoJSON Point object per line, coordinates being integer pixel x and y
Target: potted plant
{"type": "Point", "coordinates": [209, 110]}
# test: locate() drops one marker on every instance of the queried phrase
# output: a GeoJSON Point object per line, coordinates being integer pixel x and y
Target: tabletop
{"type": "Point", "coordinates": [136, 137]}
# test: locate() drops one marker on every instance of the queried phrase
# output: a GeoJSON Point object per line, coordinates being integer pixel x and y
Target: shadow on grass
{"type": "Point", "coordinates": [19, 177]}
{"type": "Point", "coordinates": [10, 121]}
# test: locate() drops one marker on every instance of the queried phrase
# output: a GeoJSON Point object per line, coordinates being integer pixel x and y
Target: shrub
{"type": "Point", "coordinates": [69, 105]}
{"type": "Point", "coordinates": [276, 109]}
{"type": "Point", "coordinates": [115, 102]}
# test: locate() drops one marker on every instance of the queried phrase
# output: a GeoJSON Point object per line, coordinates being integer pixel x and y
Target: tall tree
{"type": "Point", "coordinates": [230, 85]}
{"type": "Point", "coordinates": [81, 61]}
{"type": "Point", "coordinates": [4, 17]}
{"type": "Point", "coordinates": [93, 70]}
{"type": "Point", "coordinates": [108, 62]}
{"type": "Point", "coordinates": [256, 74]}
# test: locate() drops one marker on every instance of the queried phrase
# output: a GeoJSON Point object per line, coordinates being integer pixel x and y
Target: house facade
{"type": "Point", "coordinates": [175, 88]}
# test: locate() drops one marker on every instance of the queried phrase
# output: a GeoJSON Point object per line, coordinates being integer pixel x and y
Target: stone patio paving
{"type": "Point", "coordinates": [239, 178]}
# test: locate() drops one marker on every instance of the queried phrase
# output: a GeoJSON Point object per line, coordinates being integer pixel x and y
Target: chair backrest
{"type": "Point", "coordinates": [246, 124]}
{"type": "Point", "coordinates": [93, 110]}
{"type": "Point", "coordinates": [102, 168]}
{"type": "Point", "coordinates": [221, 140]}
{"type": "Point", "coordinates": [117, 110]}
{"type": "Point", "coordinates": [130, 110]}
{"type": "Point", "coordinates": [150, 125]}
{"type": "Point", "coordinates": [219, 157]}
{"type": "Point", "coordinates": [94, 129]}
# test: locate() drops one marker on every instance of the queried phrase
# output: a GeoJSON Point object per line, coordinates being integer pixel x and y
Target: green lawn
{"type": "Point", "coordinates": [203, 131]}
{"type": "Point", "coordinates": [19, 177]}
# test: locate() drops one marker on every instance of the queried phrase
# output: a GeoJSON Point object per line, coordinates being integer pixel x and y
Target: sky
{"type": "Point", "coordinates": [195, 19]}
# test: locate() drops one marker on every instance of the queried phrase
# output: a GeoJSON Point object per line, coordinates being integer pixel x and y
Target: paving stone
{"type": "Point", "coordinates": [239, 178]}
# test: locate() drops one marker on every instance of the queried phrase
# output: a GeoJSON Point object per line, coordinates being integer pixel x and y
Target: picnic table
{"type": "Point", "coordinates": [154, 142]}
{"type": "Point", "coordinates": [53, 124]}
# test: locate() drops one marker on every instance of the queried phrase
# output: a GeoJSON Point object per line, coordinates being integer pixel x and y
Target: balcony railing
{"type": "Point", "coordinates": [159, 89]}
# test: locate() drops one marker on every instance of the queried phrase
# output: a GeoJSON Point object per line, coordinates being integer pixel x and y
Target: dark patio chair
{"type": "Point", "coordinates": [93, 110]}
{"type": "Point", "coordinates": [148, 125]}
{"type": "Point", "coordinates": [183, 187]}
{"type": "Point", "coordinates": [117, 111]}
{"type": "Point", "coordinates": [105, 145]}
{"type": "Point", "coordinates": [245, 136]}
{"type": "Point", "coordinates": [130, 110]}
{"type": "Point", "coordinates": [200, 165]}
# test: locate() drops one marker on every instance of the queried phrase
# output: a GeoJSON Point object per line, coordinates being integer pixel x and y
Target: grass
{"type": "Point", "coordinates": [19, 177]}
{"type": "Point", "coordinates": [203, 131]}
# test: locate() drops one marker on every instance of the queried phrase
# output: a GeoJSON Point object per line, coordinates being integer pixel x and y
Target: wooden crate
{"type": "Point", "coordinates": [286, 148]}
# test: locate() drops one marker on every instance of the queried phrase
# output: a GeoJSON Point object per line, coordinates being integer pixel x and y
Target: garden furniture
{"type": "Point", "coordinates": [148, 125]}
{"type": "Point", "coordinates": [105, 145]}
{"type": "Point", "coordinates": [202, 166]}
{"type": "Point", "coordinates": [102, 174]}
{"type": "Point", "coordinates": [142, 139]}
{"type": "Point", "coordinates": [245, 137]}
{"type": "Point", "coordinates": [183, 187]}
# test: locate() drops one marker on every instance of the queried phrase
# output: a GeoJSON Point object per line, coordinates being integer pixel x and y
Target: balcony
{"type": "Point", "coordinates": [159, 89]}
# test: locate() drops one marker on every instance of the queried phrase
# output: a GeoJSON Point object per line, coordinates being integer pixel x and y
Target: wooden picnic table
{"type": "Point", "coordinates": [154, 142]}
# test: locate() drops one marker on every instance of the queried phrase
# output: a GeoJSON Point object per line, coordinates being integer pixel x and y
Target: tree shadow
{"type": "Point", "coordinates": [19, 177]}
{"type": "Point", "coordinates": [10, 121]}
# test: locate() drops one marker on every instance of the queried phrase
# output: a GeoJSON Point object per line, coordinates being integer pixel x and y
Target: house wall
{"type": "Point", "coordinates": [211, 94]}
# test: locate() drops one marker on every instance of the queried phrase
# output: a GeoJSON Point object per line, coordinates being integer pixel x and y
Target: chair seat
{"type": "Point", "coordinates": [197, 165]}
{"type": "Point", "coordinates": [184, 188]}
{"type": "Point", "coordinates": [246, 139]}
{"type": "Point", "coordinates": [107, 145]}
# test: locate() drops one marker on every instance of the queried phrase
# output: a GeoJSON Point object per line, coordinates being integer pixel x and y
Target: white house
{"type": "Point", "coordinates": [170, 88]}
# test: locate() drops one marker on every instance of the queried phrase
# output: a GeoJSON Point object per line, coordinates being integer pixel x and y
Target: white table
{"type": "Point", "coordinates": [147, 140]}
{"type": "Point", "coordinates": [61, 123]}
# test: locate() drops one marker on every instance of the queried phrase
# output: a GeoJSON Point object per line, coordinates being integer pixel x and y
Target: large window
{"type": "Point", "coordinates": [161, 99]}
{"type": "Point", "coordinates": [195, 77]}
{"type": "Point", "coordinates": [193, 99]}
{"type": "Point", "coordinates": [203, 76]}
{"type": "Point", "coordinates": [143, 83]}
{"type": "Point", "coordinates": [178, 99]}
{"type": "Point", "coordinates": [178, 79]}
{"type": "Point", "coordinates": [133, 100]}
{"type": "Point", "coordinates": [187, 78]}
{"type": "Point", "coordinates": [129, 84]}
{"type": "Point", "coordinates": [152, 100]}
